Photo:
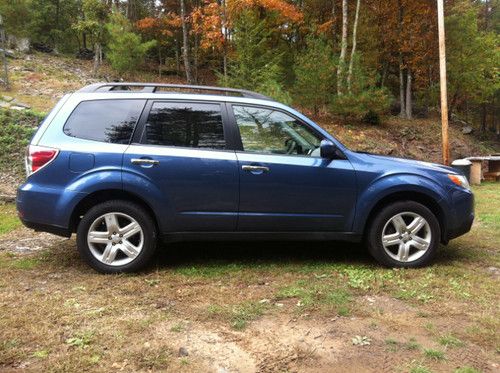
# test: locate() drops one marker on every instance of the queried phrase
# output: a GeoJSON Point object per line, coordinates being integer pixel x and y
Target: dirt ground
{"type": "Point", "coordinates": [246, 307]}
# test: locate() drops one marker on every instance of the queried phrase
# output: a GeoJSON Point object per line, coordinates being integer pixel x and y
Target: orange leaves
{"type": "Point", "coordinates": [207, 21]}
{"type": "Point", "coordinates": [285, 11]}
{"type": "Point", "coordinates": [159, 26]}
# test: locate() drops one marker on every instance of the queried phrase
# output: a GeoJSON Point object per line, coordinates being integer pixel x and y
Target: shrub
{"type": "Point", "coordinates": [367, 105]}
{"type": "Point", "coordinates": [16, 130]}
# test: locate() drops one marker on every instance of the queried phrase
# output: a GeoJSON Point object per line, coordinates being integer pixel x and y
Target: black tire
{"type": "Point", "coordinates": [373, 235]}
{"type": "Point", "coordinates": [131, 209]}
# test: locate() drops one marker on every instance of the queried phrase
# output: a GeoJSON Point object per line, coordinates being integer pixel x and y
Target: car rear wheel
{"type": "Point", "coordinates": [116, 236]}
{"type": "Point", "coordinates": [404, 234]}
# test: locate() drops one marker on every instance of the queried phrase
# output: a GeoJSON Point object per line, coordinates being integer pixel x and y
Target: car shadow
{"type": "Point", "coordinates": [260, 253]}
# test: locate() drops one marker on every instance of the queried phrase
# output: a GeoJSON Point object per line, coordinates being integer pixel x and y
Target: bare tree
{"type": "Point", "coordinates": [353, 50]}
{"type": "Point", "coordinates": [408, 106]}
{"type": "Point", "coordinates": [4, 55]}
{"type": "Point", "coordinates": [185, 46]}
{"type": "Point", "coordinates": [402, 112]}
{"type": "Point", "coordinates": [343, 50]}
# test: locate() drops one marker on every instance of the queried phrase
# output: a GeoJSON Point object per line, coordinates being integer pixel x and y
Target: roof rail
{"type": "Point", "coordinates": [153, 87]}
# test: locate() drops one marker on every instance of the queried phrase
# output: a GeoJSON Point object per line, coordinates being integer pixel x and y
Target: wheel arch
{"type": "Point", "coordinates": [100, 196]}
{"type": "Point", "coordinates": [419, 197]}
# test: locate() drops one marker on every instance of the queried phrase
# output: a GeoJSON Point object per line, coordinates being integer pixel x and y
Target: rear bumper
{"type": "Point", "coordinates": [45, 209]}
{"type": "Point", "coordinates": [59, 231]}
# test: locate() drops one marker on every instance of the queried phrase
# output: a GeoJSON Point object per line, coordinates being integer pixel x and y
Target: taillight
{"type": "Point", "coordinates": [38, 157]}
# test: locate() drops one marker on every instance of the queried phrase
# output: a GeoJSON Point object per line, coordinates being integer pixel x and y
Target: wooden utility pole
{"type": "Point", "coordinates": [442, 83]}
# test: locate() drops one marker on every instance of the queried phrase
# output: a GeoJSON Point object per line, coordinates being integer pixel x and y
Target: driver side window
{"type": "Point", "coordinates": [273, 132]}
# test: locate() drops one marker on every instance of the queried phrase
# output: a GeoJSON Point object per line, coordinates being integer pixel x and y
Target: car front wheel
{"type": "Point", "coordinates": [404, 234]}
{"type": "Point", "coordinates": [116, 236]}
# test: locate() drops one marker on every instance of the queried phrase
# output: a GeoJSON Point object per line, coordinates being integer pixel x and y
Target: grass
{"type": "Point", "coordinates": [319, 294]}
{"type": "Point", "coordinates": [58, 315]}
{"type": "Point", "coordinates": [8, 218]}
{"type": "Point", "coordinates": [450, 341]}
{"type": "Point", "coordinates": [434, 354]}
{"type": "Point", "coordinates": [420, 369]}
{"type": "Point", "coordinates": [237, 315]}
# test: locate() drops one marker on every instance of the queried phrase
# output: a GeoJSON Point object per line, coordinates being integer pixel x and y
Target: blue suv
{"type": "Point", "coordinates": [123, 164]}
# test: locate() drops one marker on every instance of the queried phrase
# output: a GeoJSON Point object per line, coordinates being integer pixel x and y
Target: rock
{"type": "Point", "coordinates": [21, 104]}
{"type": "Point", "coordinates": [4, 104]}
{"type": "Point", "coordinates": [7, 98]}
{"type": "Point", "coordinates": [16, 107]}
{"type": "Point", "coordinates": [467, 130]}
{"type": "Point", "coordinates": [183, 351]}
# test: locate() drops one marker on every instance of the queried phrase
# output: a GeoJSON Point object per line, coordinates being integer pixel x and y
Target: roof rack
{"type": "Point", "coordinates": [153, 87]}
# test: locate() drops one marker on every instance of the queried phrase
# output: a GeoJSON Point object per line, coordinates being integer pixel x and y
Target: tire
{"type": "Point", "coordinates": [405, 244]}
{"type": "Point", "coordinates": [124, 237]}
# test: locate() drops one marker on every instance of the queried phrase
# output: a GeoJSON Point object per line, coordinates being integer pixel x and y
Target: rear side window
{"type": "Point", "coordinates": [185, 124]}
{"type": "Point", "coordinates": [104, 120]}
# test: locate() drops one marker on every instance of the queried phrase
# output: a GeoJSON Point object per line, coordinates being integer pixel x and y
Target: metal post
{"type": "Point", "coordinates": [442, 83]}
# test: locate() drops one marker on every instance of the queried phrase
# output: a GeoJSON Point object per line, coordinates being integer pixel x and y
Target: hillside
{"type": "Point", "coordinates": [39, 80]}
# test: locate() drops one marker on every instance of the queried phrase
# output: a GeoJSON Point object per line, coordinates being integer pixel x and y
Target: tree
{"type": "Point", "coordinates": [95, 16]}
{"type": "Point", "coordinates": [162, 29]}
{"type": "Point", "coordinates": [353, 50]}
{"type": "Point", "coordinates": [185, 44]}
{"type": "Point", "coordinates": [125, 49]}
{"type": "Point", "coordinates": [314, 69]}
{"type": "Point", "coordinates": [343, 49]}
{"type": "Point", "coordinates": [473, 58]}
{"type": "Point", "coordinates": [256, 65]}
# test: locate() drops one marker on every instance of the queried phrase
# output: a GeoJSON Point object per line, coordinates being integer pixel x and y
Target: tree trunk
{"type": "Point", "coordinates": [402, 111]}
{"type": "Point", "coordinates": [483, 117]}
{"type": "Point", "coordinates": [225, 40]}
{"type": "Point", "coordinates": [343, 50]}
{"type": "Point", "coordinates": [195, 62]}
{"type": "Point", "coordinates": [159, 61]}
{"type": "Point", "coordinates": [353, 50]}
{"type": "Point", "coordinates": [409, 106]}
{"type": "Point", "coordinates": [334, 24]}
{"type": "Point", "coordinates": [185, 46]}
{"type": "Point", "coordinates": [177, 57]}
{"type": "Point", "coordinates": [4, 59]}
{"type": "Point", "coordinates": [97, 58]}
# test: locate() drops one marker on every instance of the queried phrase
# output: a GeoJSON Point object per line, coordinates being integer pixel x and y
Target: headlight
{"type": "Point", "coordinates": [460, 180]}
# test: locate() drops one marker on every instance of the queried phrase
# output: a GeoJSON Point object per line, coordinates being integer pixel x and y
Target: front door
{"type": "Point", "coordinates": [182, 151]}
{"type": "Point", "coordinates": [284, 183]}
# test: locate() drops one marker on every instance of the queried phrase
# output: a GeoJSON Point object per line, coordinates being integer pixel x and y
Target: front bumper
{"type": "Point", "coordinates": [461, 214]}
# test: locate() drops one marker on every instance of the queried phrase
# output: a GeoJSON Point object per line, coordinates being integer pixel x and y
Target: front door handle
{"type": "Point", "coordinates": [255, 169]}
{"type": "Point", "coordinates": [144, 161]}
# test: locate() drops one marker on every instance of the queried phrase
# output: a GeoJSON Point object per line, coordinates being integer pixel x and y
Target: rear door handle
{"type": "Point", "coordinates": [144, 161]}
{"type": "Point", "coordinates": [257, 169]}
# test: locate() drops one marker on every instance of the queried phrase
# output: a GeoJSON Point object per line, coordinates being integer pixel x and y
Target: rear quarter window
{"type": "Point", "coordinates": [111, 121]}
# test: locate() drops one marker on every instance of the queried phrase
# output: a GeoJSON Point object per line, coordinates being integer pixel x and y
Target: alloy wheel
{"type": "Point", "coordinates": [406, 237]}
{"type": "Point", "coordinates": [115, 239]}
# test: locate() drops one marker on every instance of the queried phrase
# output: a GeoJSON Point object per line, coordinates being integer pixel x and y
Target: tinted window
{"type": "Point", "coordinates": [104, 120]}
{"type": "Point", "coordinates": [274, 132]}
{"type": "Point", "coordinates": [194, 125]}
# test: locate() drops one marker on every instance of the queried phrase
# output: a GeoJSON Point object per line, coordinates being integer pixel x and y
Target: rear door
{"type": "Point", "coordinates": [180, 147]}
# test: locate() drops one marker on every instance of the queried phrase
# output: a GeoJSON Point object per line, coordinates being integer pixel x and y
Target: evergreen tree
{"type": "Point", "coordinates": [125, 48]}
{"type": "Point", "coordinates": [256, 65]}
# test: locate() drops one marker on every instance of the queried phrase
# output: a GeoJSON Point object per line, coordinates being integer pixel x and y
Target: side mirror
{"type": "Point", "coordinates": [327, 149]}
